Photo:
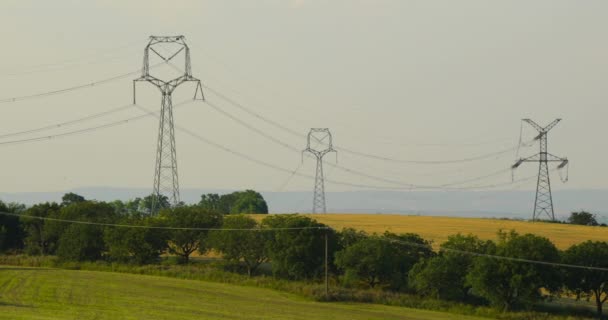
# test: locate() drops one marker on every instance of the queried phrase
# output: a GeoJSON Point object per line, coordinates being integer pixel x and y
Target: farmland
{"type": "Point", "coordinates": [33, 293]}
{"type": "Point", "coordinates": [438, 229]}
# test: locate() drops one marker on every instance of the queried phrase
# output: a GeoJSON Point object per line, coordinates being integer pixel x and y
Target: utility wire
{"type": "Point", "coordinates": [85, 130]}
{"type": "Point", "coordinates": [156, 227]}
{"type": "Point", "coordinates": [66, 123]}
{"type": "Point", "coordinates": [354, 152]}
{"type": "Point", "coordinates": [69, 89]}
{"type": "Point", "coordinates": [64, 90]}
{"type": "Point", "coordinates": [278, 168]}
{"type": "Point", "coordinates": [351, 171]}
{"type": "Point", "coordinates": [491, 256]}
{"type": "Point", "coordinates": [302, 228]}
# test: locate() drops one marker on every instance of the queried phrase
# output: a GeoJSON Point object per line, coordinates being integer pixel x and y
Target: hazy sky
{"type": "Point", "coordinates": [420, 80]}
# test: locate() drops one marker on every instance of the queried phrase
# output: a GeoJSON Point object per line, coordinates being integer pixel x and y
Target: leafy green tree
{"type": "Point", "coordinates": [384, 259]}
{"type": "Point", "coordinates": [588, 282]}
{"type": "Point", "coordinates": [184, 242]}
{"type": "Point", "coordinates": [370, 260]}
{"type": "Point", "coordinates": [71, 198]}
{"type": "Point", "coordinates": [583, 218]}
{"type": "Point", "coordinates": [211, 201]}
{"type": "Point", "coordinates": [249, 201]}
{"type": "Point", "coordinates": [136, 245]}
{"type": "Point", "coordinates": [246, 247]}
{"type": "Point", "coordinates": [160, 201]}
{"type": "Point", "coordinates": [39, 240]}
{"type": "Point", "coordinates": [81, 242]}
{"type": "Point", "coordinates": [507, 283]}
{"type": "Point", "coordinates": [296, 249]}
{"type": "Point", "coordinates": [444, 276]}
{"type": "Point", "coordinates": [11, 231]}
{"type": "Point", "coordinates": [349, 236]}
{"type": "Point", "coordinates": [132, 207]}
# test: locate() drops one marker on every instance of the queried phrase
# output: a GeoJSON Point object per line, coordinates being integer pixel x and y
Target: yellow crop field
{"type": "Point", "coordinates": [438, 229]}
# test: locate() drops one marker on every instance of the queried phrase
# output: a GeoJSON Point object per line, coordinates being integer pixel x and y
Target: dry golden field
{"type": "Point", "coordinates": [439, 228]}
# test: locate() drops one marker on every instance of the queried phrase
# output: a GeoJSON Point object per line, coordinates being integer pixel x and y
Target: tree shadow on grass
{"type": "Point", "coordinates": [12, 304]}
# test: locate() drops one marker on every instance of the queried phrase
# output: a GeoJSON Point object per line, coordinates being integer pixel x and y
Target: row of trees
{"type": "Point", "coordinates": [502, 273]}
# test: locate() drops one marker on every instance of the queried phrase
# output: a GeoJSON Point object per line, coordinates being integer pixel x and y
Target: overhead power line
{"type": "Point", "coordinates": [66, 123]}
{"type": "Point", "coordinates": [70, 89]}
{"type": "Point", "coordinates": [289, 171]}
{"type": "Point", "coordinates": [497, 257]}
{"type": "Point", "coordinates": [155, 227]}
{"type": "Point", "coordinates": [355, 152]}
{"type": "Point", "coordinates": [84, 130]}
{"type": "Point", "coordinates": [555, 264]}
{"type": "Point", "coordinates": [348, 170]}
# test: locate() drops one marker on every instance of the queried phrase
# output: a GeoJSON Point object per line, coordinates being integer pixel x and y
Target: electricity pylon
{"type": "Point", "coordinates": [166, 180]}
{"type": "Point", "coordinates": [319, 135]}
{"type": "Point", "coordinates": [544, 201]}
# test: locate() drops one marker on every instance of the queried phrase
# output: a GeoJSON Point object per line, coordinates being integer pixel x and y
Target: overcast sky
{"type": "Point", "coordinates": [419, 80]}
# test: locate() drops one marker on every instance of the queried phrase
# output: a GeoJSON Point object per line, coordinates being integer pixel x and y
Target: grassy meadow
{"type": "Point", "coordinates": [439, 228]}
{"type": "Point", "coordinates": [38, 293]}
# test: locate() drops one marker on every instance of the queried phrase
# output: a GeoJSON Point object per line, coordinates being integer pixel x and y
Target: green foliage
{"type": "Point", "coordinates": [185, 242]}
{"type": "Point", "coordinates": [136, 245]}
{"type": "Point", "coordinates": [508, 284]}
{"type": "Point", "coordinates": [383, 260]}
{"type": "Point", "coordinates": [299, 253]}
{"type": "Point", "coordinates": [588, 282]}
{"type": "Point", "coordinates": [583, 218]}
{"type": "Point", "coordinates": [71, 198]}
{"type": "Point", "coordinates": [248, 201]}
{"type": "Point", "coordinates": [160, 202]}
{"type": "Point", "coordinates": [444, 276]}
{"type": "Point", "coordinates": [246, 247]}
{"type": "Point", "coordinates": [39, 239]}
{"type": "Point", "coordinates": [11, 231]}
{"type": "Point", "coordinates": [349, 236]}
{"type": "Point", "coordinates": [81, 242]}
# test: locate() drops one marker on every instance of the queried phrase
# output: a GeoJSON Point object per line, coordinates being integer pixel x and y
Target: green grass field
{"type": "Point", "coordinates": [34, 293]}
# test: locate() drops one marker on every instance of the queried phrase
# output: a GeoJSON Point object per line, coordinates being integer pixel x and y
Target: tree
{"type": "Point", "coordinates": [444, 276]}
{"type": "Point", "coordinates": [507, 283]}
{"type": "Point", "coordinates": [241, 246]}
{"type": "Point", "coordinates": [160, 202]}
{"type": "Point", "coordinates": [137, 245]}
{"type": "Point", "coordinates": [11, 231]}
{"type": "Point", "coordinates": [296, 248]}
{"type": "Point", "coordinates": [583, 218]}
{"type": "Point", "coordinates": [349, 236]}
{"type": "Point", "coordinates": [588, 282]}
{"type": "Point", "coordinates": [211, 201]}
{"type": "Point", "coordinates": [249, 201]}
{"type": "Point", "coordinates": [71, 198]}
{"type": "Point", "coordinates": [39, 240]}
{"type": "Point", "coordinates": [384, 260]}
{"type": "Point", "coordinates": [184, 242]}
{"type": "Point", "coordinates": [81, 242]}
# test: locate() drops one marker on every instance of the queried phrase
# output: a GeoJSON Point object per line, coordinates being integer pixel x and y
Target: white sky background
{"type": "Point", "coordinates": [393, 78]}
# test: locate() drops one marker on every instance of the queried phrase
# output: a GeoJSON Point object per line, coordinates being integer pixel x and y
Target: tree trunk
{"type": "Point", "coordinates": [598, 303]}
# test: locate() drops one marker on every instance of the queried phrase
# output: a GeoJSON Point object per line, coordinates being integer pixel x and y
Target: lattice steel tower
{"type": "Point", "coordinates": [319, 135]}
{"type": "Point", "coordinates": [166, 180]}
{"type": "Point", "coordinates": [544, 201]}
